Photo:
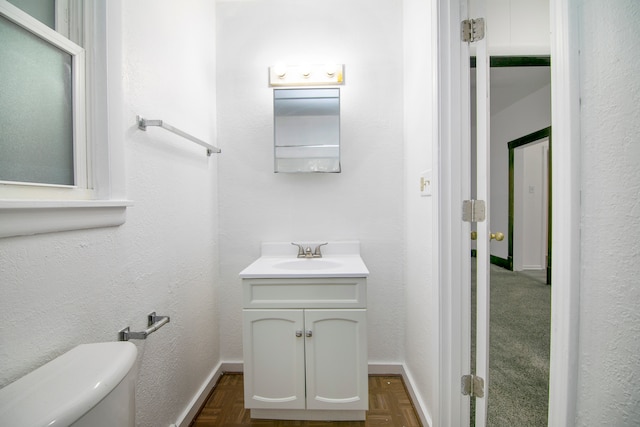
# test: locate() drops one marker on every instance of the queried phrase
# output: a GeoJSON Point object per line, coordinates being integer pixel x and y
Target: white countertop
{"type": "Point", "coordinates": [279, 260]}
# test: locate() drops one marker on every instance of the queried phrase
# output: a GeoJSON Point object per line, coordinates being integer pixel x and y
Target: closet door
{"type": "Point", "coordinates": [482, 175]}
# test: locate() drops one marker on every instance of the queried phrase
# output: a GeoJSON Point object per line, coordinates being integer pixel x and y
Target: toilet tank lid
{"type": "Point", "coordinates": [63, 390]}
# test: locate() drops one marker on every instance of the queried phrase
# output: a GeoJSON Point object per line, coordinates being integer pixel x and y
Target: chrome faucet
{"type": "Point", "coordinates": [307, 253]}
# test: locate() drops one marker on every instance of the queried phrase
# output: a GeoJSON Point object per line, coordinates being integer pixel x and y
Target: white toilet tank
{"type": "Point", "coordinates": [91, 385]}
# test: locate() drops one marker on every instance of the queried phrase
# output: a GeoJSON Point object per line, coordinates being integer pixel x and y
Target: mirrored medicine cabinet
{"type": "Point", "coordinates": [307, 130]}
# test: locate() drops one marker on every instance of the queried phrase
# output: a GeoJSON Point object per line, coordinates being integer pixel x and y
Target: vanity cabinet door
{"type": "Point", "coordinates": [273, 346]}
{"type": "Point", "coordinates": [336, 354]}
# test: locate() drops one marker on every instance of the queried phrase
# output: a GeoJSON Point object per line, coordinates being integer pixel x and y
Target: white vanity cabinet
{"type": "Point", "coordinates": [305, 348]}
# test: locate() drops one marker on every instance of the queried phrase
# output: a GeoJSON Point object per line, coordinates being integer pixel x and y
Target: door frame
{"type": "Point", "coordinates": [566, 183]}
{"type": "Point", "coordinates": [512, 145]}
{"type": "Point", "coordinates": [565, 121]}
{"type": "Point", "coordinates": [452, 119]}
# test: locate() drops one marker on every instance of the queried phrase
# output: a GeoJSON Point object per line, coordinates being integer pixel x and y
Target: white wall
{"type": "Point", "coordinates": [365, 201]}
{"type": "Point", "coordinates": [609, 339]}
{"type": "Point", "coordinates": [63, 289]}
{"type": "Point", "coordinates": [420, 133]}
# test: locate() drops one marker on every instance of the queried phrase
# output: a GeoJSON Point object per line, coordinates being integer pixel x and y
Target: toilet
{"type": "Point", "coordinates": [90, 385]}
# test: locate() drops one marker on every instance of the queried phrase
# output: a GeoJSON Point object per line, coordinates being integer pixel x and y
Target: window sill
{"type": "Point", "coordinates": [27, 217]}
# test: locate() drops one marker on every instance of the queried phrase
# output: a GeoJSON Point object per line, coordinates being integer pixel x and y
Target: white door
{"type": "Point", "coordinates": [531, 208]}
{"type": "Point", "coordinates": [273, 342]}
{"type": "Point", "coordinates": [482, 226]}
{"type": "Point", "coordinates": [336, 353]}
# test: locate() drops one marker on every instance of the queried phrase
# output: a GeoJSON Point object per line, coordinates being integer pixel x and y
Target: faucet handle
{"type": "Point", "coordinates": [300, 249]}
{"type": "Point", "coordinates": [316, 252]}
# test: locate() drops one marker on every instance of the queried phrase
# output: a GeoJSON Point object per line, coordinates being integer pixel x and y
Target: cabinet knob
{"type": "Point", "coordinates": [298, 334]}
{"type": "Point", "coordinates": [308, 334]}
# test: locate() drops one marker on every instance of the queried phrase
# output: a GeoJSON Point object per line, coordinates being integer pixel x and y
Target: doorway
{"type": "Point", "coordinates": [520, 106]}
{"type": "Point", "coordinates": [529, 203]}
{"type": "Point", "coordinates": [519, 314]}
{"type": "Point", "coordinates": [453, 236]}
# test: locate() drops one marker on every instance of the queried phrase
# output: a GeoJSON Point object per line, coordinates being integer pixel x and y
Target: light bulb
{"type": "Point", "coordinates": [330, 70]}
{"type": "Point", "coordinates": [280, 71]}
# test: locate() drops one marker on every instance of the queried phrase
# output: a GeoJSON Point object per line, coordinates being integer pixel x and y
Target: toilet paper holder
{"type": "Point", "coordinates": [154, 322]}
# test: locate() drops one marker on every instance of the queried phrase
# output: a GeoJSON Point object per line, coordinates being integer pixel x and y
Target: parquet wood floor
{"type": "Point", "coordinates": [389, 405]}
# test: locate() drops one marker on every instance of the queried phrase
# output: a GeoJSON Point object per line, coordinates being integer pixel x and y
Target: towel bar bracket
{"type": "Point", "coordinates": [143, 123]}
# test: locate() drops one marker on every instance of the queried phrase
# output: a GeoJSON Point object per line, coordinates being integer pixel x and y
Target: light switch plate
{"type": "Point", "coordinates": [426, 183]}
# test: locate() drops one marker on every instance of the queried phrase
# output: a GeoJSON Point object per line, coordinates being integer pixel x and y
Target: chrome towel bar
{"type": "Point", "coordinates": [154, 323]}
{"type": "Point", "coordinates": [143, 123]}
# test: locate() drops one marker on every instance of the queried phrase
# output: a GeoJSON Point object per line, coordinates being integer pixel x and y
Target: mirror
{"type": "Point", "coordinates": [306, 130]}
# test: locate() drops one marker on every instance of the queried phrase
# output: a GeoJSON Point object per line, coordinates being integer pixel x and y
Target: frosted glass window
{"type": "Point", "coordinates": [43, 11]}
{"type": "Point", "coordinates": [36, 109]}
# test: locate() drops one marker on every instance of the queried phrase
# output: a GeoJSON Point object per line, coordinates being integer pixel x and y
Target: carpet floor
{"type": "Point", "coordinates": [520, 323]}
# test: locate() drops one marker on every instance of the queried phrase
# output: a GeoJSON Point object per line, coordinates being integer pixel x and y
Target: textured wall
{"type": "Point", "coordinates": [62, 289]}
{"type": "Point", "coordinates": [608, 392]}
{"type": "Point", "coordinates": [365, 201]}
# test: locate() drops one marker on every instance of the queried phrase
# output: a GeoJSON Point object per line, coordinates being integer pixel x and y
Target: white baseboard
{"type": "Point", "coordinates": [374, 369]}
{"type": "Point", "coordinates": [399, 369]}
{"type": "Point", "coordinates": [385, 369]}
{"type": "Point", "coordinates": [199, 399]}
{"type": "Point", "coordinates": [416, 398]}
{"type": "Point", "coordinates": [236, 367]}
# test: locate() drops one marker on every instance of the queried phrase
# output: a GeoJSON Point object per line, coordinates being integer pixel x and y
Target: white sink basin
{"type": "Point", "coordinates": [307, 264]}
{"type": "Point", "coordinates": [278, 260]}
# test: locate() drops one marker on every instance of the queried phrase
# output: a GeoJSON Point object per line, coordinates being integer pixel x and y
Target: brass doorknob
{"type": "Point", "coordinates": [498, 236]}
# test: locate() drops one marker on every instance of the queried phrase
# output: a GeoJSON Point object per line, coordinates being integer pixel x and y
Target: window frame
{"type": "Point", "coordinates": [98, 198]}
{"type": "Point", "coordinates": [20, 190]}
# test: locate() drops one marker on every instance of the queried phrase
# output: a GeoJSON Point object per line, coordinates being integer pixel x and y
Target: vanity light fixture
{"type": "Point", "coordinates": [306, 75]}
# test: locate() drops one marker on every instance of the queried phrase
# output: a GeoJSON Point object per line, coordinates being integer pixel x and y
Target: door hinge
{"type": "Point", "coordinates": [472, 30]}
{"type": "Point", "coordinates": [473, 211]}
{"type": "Point", "coordinates": [473, 386]}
